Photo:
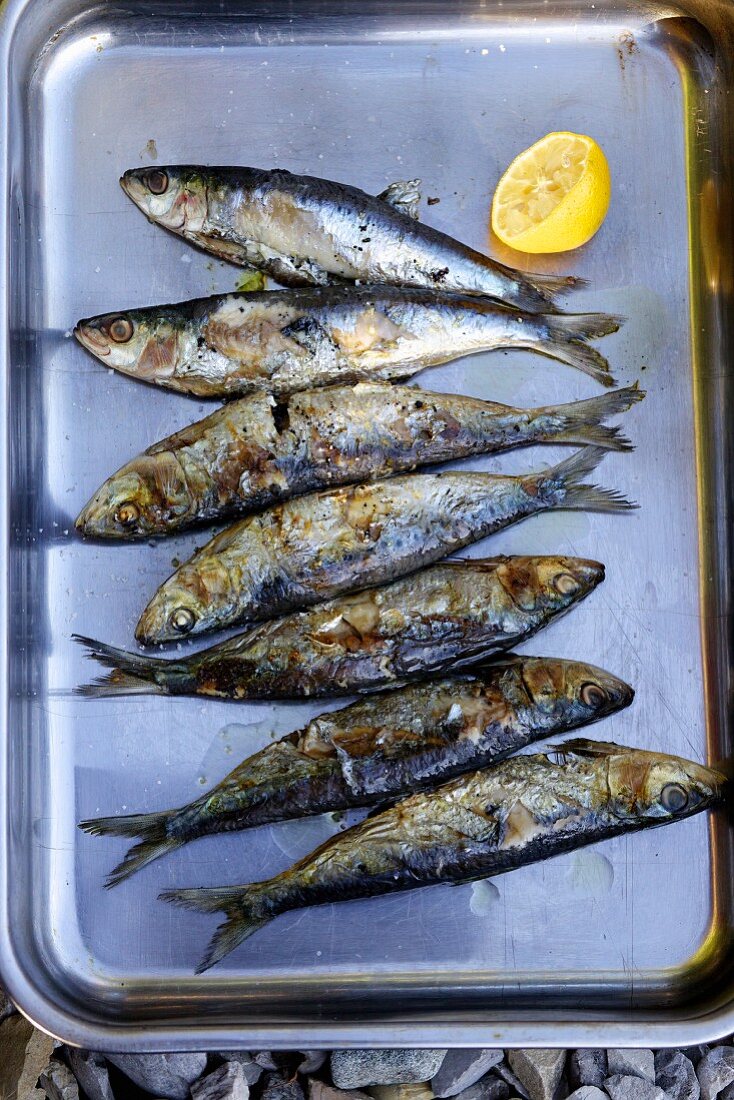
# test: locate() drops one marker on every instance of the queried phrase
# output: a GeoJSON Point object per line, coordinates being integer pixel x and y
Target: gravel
{"type": "Point", "coordinates": [625, 1086]}
{"type": "Point", "coordinates": [90, 1070]}
{"type": "Point", "coordinates": [34, 1067]}
{"type": "Point", "coordinates": [252, 1070]}
{"type": "Point", "coordinates": [58, 1082]}
{"type": "Point", "coordinates": [354, 1069]}
{"type": "Point", "coordinates": [317, 1090]}
{"type": "Point", "coordinates": [587, 1066]}
{"type": "Point", "coordinates": [715, 1071]}
{"type": "Point", "coordinates": [462, 1068]}
{"type": "Point", "coordinates": [226, 1082]}
{"type": "Point", "coordinates": [538, 1070]}
{"type": "Point", "coordinates": [489, 1088]}
{"type": "Point", "coordinates": [169, 1076]}
{"type": "Point", "coordinates": [280, 1086]}
{"type": "Point", "coordinates": [674, 1073]}
{"type": "Point", "coordinates": [7, 1008]}
{"type": "Point", "coordinates": [631, 1063]}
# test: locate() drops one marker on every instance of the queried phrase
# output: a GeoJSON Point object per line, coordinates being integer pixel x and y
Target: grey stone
{"type": "Point", "coordinates": [587, 1066]}
{"type": "Point", "coordinates": [165, 1075]}
{"type": "Point", "coordinates": [90, 1070]}
{"type": "Point", "coordinates": [516, 1086]}
{"type": "Point", "coordinates": [462, 1068]}
{"type": "Point", "coordinates": [489, 1088]}
{"type": "Point", "coordinates": [408, 1090]}
{"type": "Point", "coordinates": [630, 1062]}
{"type": "Point", "coordinates": [715, 1071]}
{"type": "Point", "coordinates": [227, 1082]}
{"type": "Point", "coordinates": [15, 1035]}
{"type": "Point", "coordinates": [625, 1086]}
{"type": "Point", "coordinates": [675, 1074]}
{"type": "Point", "coordinates": [317, 1090]}
{"type": "Point", "coordinates": [588, 1092]}
{"type": "Point", "coordinates": [313, 1060]}
{"type": "Point", "coordinates": [277, 1086]}
{"type": "Point", "coordinates": [266, 1059]}
{"type": "Point", "coordinates": [353, 1069]}
{"type": "Point", "coordinates": [24, 1054]}
{"type": "Point", "coordinates": [58, 1082]}
{"type": "Point", "coordinates": [697, 1052]}
{"type": "Point", "coordinates": [7, 1008]}
{"type": "Point", "coordinates": [251, 1069]}
{"type": "Point", "coordinates": [538, 1070]}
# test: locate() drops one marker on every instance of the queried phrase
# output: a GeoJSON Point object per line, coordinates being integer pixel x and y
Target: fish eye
{"type": "Point", "coordinates": [182, 620]}
{"type": "Point", "coordinates": [156, 181]}
{"type": "Point", "coordinates": [592, 695]}
{"type": "Point", "coordinates": [120, 330]}
{"type": "Point", "coordinates": [674, 798]}
{"type": "Point", "coordinates": [565, 584]}
{"type": "Point", "coordinates": [128, 513]}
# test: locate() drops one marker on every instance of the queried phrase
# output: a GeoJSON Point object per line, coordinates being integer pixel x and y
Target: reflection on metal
{"type": "Point", "coordinates": [364, 91]}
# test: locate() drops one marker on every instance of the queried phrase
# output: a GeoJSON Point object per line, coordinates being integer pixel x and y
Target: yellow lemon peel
{"type": "Point", "coordinates": [554, 196]}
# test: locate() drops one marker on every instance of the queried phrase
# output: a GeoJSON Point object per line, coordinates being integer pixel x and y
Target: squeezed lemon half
{"type": "Point", "coordinates": [554, 196]}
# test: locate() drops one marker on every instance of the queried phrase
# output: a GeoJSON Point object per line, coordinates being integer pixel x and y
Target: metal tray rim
{"type": "Point", "coordinates": [637, 1031]}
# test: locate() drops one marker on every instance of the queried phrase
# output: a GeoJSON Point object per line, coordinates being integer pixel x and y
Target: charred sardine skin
{"type": "Point", "coordinates": [315, 547]}
{"type": "Point", "coordinates": [285, 341]}
{"type": "Point", "coordinates": [517, 812]}
{"type": "Point", "coordinates": [450, 615]}
{"type": "Point", "coordinates": [383, 746]}
{"type": "Point", "coordinates": [260, 450]}
{"type": "Point", "coordinates": [303, 230]}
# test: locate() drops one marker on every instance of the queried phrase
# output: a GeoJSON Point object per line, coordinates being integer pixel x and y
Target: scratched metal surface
{"type": "Point", "coordinates": [624, 943]}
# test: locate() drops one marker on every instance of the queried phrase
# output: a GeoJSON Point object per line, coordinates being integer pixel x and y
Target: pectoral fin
{"type": "Point", "coordinates": [223, 249]}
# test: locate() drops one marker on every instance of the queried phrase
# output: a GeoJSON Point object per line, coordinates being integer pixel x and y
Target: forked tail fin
{"type": "Point", "coordinates": [133, 673]}
{"type": "Point", "coordinates": [561, 486]}
{"type": "Point", "coordinates": [581, 421]}
{"type": "Point", "coordinates": [248, 909]}
{"type": "Point", "coordinates": [154, 840]}
{"type": "Point", "coordinates": [568, 335]}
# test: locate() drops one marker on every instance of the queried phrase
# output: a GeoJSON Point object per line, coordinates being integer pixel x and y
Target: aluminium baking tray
{"type": "Point", "coordinates": [627, 943]}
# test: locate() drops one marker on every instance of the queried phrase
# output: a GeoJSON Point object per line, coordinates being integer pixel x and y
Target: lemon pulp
{"type": "Point", "coordinates": [554, 196]}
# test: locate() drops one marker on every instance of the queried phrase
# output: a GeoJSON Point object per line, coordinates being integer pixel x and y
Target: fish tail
{"type": "Point", "coordinates": [581, 421]}
{"type": "Point", "coordinates": [568, 342]}
{"type": "Point", "coordinates": [133, 673]}
{"type": "Point", "coordinates": [154, 839]}
{"type": "Point", "coordinates": [586, 326]}
{"type": "Point", "coordinates": [247, 909]}
{"type": "Point", "coordinates": [561, 486]}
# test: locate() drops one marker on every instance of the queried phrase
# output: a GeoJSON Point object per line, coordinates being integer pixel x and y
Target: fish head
{"type": "Point", "coordinates": [572, 693]}
{"type": "Point", "coordinates": [650, 786]}
{"type": "Point", "coordinates": [189, 602]}
{"type": "Point", "coordinates": [140, 500]}
{"type": "Point", "coordinates": [548, 584]}
{"type": "Point", "coordinates": [655, 785]}
{"type": "Point", "coordinates": [174, 196]}
{"type": "Point", "coordinates": [144, 343]}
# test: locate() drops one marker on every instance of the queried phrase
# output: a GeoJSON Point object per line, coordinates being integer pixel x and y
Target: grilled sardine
{"type": "Point", "coordinates": [453, 614]}
{"type": "Point", "coordinates": [289, 340]}
{"type": "Point", "coordinates": [388, 744]}
{"type": "Point", "coordinates": [520, 811]}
